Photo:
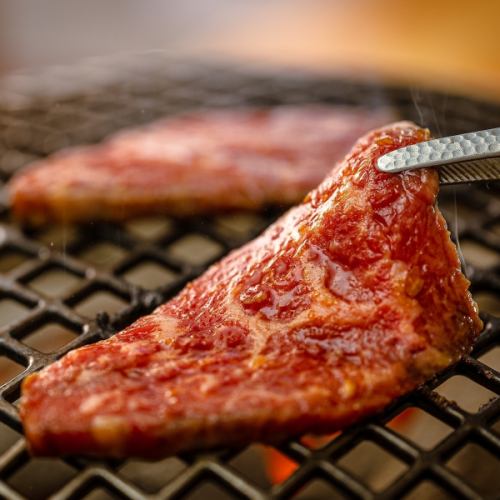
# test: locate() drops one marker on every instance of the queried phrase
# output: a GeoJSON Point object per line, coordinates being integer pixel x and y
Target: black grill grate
{"type": "Point", "coordinates": [56, 281]}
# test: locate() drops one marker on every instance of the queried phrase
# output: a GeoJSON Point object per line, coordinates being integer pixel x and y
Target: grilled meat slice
{"type": "Point", "coordinates": [194, 163]}
{"type": "Point", "coordinates": [348, 301]}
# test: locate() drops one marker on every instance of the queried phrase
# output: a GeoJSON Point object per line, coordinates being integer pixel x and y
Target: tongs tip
{"type": "Point", "coordinates": [470, 157]}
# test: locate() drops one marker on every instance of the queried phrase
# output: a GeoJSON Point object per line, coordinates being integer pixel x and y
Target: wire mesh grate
{"type": "Point", "coordinates": [63, 287]}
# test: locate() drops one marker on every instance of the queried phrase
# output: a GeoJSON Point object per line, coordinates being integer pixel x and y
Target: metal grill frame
{"type": "Point", "coordinates": [41, 113]}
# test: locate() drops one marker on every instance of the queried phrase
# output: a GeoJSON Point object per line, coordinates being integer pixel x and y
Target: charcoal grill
{"type": "Point", "coordinates": [65, 287]}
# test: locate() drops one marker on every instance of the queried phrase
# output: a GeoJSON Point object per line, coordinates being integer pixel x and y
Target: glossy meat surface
{"type": "Point", "coordinates": [348, 301]}
{"type": "Point", "coordinates": [194, 163]}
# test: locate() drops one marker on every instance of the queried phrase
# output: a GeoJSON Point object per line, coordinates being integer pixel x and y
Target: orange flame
{"type": "Point", "coordinates": [279, 467]}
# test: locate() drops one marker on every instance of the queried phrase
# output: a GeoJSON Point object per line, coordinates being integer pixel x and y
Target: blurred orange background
{"type": "Point", "coordinates": [449, 45]}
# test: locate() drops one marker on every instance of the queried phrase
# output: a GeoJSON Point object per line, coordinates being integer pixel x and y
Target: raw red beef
{"type": "Point", "coordinates": [348, 301]}
{"type": "Point", "coordinates": [196, 163]}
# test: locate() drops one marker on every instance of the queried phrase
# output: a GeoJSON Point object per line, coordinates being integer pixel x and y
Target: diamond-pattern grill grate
{"type": "Point", "coordinates": [67, 277]}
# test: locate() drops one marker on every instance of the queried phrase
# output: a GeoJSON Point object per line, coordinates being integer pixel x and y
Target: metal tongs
{"type": "Point", "coordinates": [470, 157]}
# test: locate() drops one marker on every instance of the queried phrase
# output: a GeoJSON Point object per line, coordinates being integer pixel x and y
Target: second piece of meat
{"type": "Point", "coordinates": [194, 163]}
